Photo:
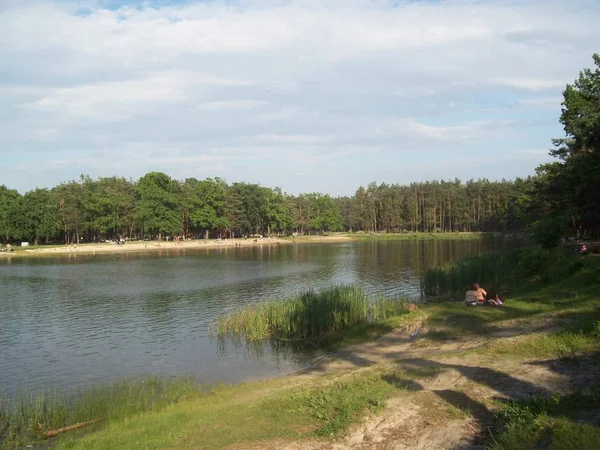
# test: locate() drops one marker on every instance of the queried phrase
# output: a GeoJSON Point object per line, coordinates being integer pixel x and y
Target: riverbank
{"type": "Point", "coordinates": [141, 246]}
{"type": "Point", "coordinates": [157, 246]}
{"type": "Point", "coordinates": [443, 376]}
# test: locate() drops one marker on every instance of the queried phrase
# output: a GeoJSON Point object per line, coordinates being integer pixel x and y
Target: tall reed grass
{"type": "Point", "coordinates": [26, 417]}
{"type": "Point", "coordinates": [308, 316]}
{"type": "Point", "coordinates": [497, 271]}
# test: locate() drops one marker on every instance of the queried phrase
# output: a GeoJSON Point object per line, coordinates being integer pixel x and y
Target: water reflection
{"type": "Point", "coordinates": [85, 319]}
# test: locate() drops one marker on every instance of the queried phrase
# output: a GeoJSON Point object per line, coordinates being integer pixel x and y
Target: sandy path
{"type": "Point", "coordinates": [451, 408]}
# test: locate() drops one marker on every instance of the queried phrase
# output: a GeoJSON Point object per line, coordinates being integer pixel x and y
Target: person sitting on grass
{"type": "Point", "coordinates": [471, 296]}
{"type": "Point", "coordinates": [496, 300]}
{"type": "Point", "coordinates": [481, 293]}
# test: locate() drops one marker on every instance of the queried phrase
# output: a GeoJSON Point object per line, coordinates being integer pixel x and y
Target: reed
{"type": "Point", "coordinates": [27, 416]}
{"type": "Point", "coordinates": [497, 271]}
{"type": "Point", "coordinates": [308, 316]}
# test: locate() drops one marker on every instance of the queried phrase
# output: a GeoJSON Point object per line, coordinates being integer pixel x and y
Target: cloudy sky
{"type": "Point", "coordinates": [308, 95]}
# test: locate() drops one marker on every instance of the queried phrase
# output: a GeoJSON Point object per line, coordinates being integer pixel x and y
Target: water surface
{"type": "Point", "coordinates": [82, 320]}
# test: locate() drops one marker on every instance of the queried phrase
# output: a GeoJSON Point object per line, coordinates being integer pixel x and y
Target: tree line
{"type": "Point", "coordinates": [563, 197]}
{"type": "Point", "coordinates": [157, 206]}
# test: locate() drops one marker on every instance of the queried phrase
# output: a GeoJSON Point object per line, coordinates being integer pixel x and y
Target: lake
{"type": "Point", "coordinates": [78, 320]}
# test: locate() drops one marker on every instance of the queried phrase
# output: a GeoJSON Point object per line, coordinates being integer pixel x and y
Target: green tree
{"type": "Point", "coordinates": [206, 201]}
{"type": "Point", "coordinates": [574, 182]}
{"type": "Point", "coordinates": [40, 208]}
{"type": "Point", "coordinates": [11, 214]}
{"type": "Point", "coordinates": [158, 205]}
{"type": "Point", "coordinates": [326, 213]}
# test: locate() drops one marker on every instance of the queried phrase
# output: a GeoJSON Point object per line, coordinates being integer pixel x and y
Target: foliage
{"type": "Point", "coordinates": [497, 271]}
{"type": "Point", "coordinates": [549, 232]}
{"type": "Point", "coordinates": [107, 208]}
{"type": "Point", "coordinates": [309, 316]}
{"type": "Point", "coordinates": [572, 184]}
{"type": "Point", "coordinates": [158, 207]}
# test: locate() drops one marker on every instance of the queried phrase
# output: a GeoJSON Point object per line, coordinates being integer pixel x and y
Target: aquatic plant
{"type": "Point", "coordinates": [308, 316]}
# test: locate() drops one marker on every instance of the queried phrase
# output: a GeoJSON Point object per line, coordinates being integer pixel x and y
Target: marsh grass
{"type": "Point", "coordinates": [26, 417]}
{"type": "Point", "coordinates": [498, 272]}
{"type": "Point", "coordinates": [310, 316]}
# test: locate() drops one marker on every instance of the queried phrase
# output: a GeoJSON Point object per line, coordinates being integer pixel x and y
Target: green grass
{"type": "Point", "coordinates": [311, 316]}
{"type": "Point", "coordinates": [249, 413]}
{"type": "Point", "coordinates": [176, 414]}
{"type": "Point", "coordinates": [559, 422]}
{"type": "Point", "coordinates": [572, 301]}
{"type": "Point", "coordinates": [27, 417]}
{"type": "Point", "coordinates": [498, 272]}
{"type": "Point", "coordinates": [421, 236]}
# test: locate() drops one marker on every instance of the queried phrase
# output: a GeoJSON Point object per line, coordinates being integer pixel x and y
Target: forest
{"type": "Point", "coordinates": [561, 199]}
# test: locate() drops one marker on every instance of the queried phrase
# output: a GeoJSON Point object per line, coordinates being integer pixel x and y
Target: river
{"type": "Point", "coordinates": [84, 320]}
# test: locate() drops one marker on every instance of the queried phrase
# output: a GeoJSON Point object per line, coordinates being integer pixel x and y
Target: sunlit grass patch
{"type": "Point", "coordinates": [29, 416]}
{"type": "Point", "coordinates": [251, 413]}
{"type": "Point", "coordinates": [310, 316]}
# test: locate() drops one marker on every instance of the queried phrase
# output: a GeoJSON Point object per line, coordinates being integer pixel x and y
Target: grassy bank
{"type": "Point", "coordinates": [552, 423]}
{"type": "Point", "coordinates": [498, 272]}
{"type": "Point", "coordinates": [554, 323]}
{"type": "Point", "coordinates": [423, 236]}
{"type": "Point", "coordinates": [27, 417]}
{"type": "Point", "coordinates": [310, 316]}
{"type": "Point", "coordinates": [251, 413]}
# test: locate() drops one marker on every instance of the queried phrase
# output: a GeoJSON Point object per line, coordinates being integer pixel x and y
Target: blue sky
{"type": "Point", "coordinates": [302, 94]}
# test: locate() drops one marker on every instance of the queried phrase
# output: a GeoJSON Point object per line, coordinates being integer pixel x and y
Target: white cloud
{"type": "Point", "coordinates": [195, 86]}
{"type": "Point", "coordinates": [527, 83]}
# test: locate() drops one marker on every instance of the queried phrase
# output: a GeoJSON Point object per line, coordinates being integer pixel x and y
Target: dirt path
{"type": "Point", "coordinates": [451, 407]}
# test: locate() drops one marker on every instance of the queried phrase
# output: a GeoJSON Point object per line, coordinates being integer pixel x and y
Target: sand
{"type": "Point", "coordinates": [154, 246]}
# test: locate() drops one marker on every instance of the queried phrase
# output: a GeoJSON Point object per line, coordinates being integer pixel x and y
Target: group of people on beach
{"type": "Point", "coordinates": [477, 296]}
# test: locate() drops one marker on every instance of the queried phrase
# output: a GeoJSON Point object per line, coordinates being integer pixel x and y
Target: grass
{"type": "Point", "coordinates": [27, 417]}
{"type": "Point", "coordinates": [421, 236]}
{"type": "Point", "coordinates": [160, 415]}
{"type": "Point", "coordinates": [250, 413]}
{"type": "Point", "coordinates": [310, 316]}
{"type": "Point", "coordinates": [571, 302]}
{"type": "Point", "coordinates": [499, 271]}
{"type": "Point", "coordinates": [552, 423]}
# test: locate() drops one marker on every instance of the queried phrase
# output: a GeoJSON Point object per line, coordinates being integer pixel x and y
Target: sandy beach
{"type": "Point", "coordinates": [153, 246]}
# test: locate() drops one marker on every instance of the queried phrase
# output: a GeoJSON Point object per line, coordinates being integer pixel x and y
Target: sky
{"type": "Point", "coordinates": [306, 95]}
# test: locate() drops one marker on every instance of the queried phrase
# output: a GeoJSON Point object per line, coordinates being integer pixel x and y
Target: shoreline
{"type": "Point", "coordinates": [142, 247]}
{"type": "Point", "coordinates": [196, 244]}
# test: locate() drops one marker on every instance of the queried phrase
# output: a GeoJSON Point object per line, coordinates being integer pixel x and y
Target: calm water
{"type": "Point", "coordinates": [80, 320]}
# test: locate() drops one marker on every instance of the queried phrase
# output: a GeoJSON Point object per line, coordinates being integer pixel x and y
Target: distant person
{"type": "Point", "coordinates": [471, 296]}
{"type": "Point", "coordinates": [584, 250]}
{"type": "Point", "coordinates": [481, 293]}
{"type": "Point", "coordinates": [496, 300]}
